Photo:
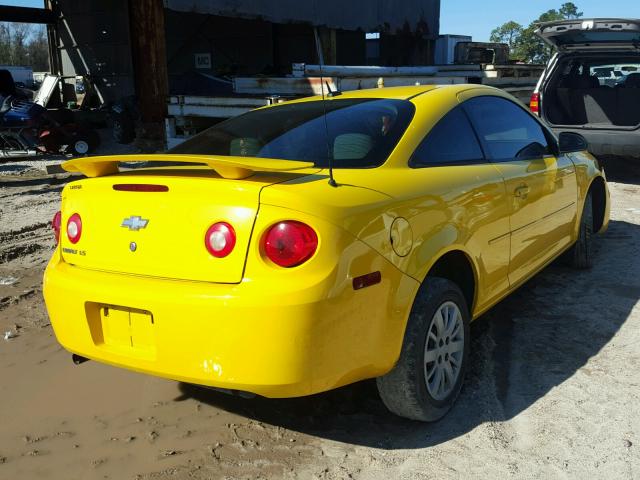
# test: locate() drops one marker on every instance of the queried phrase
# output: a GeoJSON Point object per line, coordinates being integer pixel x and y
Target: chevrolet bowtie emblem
{"type": "Point", "coordinates": [134, 223]}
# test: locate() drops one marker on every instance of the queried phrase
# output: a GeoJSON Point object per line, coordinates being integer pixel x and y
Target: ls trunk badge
{"type": "Point", "coordinates": [135, 223]}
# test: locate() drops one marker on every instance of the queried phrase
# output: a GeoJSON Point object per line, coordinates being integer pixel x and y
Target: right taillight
{"type": "Point", "coordinates": [290, 243]}
{"type": "Point", "coordinates": [220, 239]}
{"type": "Point", "coordinates": [74, 228]}
{"type": "Point", "coordinates": [534, 103]}
{"type": "Point", "coordinates": [55, 225]}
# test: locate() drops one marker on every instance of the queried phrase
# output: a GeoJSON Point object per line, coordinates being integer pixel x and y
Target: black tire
{"type": "Point", "coordinates": [404, 390]}
{"type": "Point", "coordinates": [580, 255]}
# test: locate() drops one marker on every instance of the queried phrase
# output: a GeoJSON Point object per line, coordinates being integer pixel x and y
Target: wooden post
{"type": "Point", "coordinates": [148, 50]}
{"type": "Point", "coordinates": [53, 42]}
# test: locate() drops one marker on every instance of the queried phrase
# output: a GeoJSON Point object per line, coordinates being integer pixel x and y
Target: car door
{"type": "Point", "coordinates": [540, 184]}
{"type": "Point", "coordinates": [468, 194]}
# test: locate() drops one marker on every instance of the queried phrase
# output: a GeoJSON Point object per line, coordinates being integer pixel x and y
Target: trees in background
{"type": "Point", "coordinates": [24, 44]}
{"type": "Point", "coordinates": [524, 44]}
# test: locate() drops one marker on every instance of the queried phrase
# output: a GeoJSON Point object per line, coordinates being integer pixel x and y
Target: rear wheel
{"type": "Point", "coordinates": [580, 255]}
{"type": "Point", "coordinates": [428, 377]}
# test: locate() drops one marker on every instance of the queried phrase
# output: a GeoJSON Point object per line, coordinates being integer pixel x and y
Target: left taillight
{"type": "Point", "coordinates": [56, 221]}
{"type": "Point", "coordinates": [74, 228]}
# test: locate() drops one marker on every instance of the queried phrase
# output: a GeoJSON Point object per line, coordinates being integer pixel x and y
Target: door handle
{"type": "Point", "coordinates": [522, 191]}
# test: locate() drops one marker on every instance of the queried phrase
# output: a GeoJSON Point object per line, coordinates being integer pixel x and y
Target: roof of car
{"type": "Point", "coordinates": [400, 93]}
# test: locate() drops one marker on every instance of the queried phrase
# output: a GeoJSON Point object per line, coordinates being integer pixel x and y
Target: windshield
{"type": "Point", "coordinates": [358, 133]}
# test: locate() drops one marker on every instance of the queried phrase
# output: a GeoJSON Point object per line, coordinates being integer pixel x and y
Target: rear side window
{"type": "Point", "coordinates": [451, 141]}
{"type": "Point", "coordinates": [506, 130]}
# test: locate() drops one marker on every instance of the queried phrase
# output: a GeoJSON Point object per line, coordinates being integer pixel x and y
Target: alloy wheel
{"type": "Point", "coordinates": [444, 350]}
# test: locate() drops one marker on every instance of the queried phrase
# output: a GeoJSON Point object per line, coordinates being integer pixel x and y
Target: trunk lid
{"type": "Point", "coordinates": [591, 34]}
{"type": "Point", "coordinates": [162, 233]}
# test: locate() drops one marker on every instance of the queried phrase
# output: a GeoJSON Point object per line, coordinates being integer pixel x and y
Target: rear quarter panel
{"type": "Point", "coordinates": [448, 208]}
{"type": "Point", "coordinates": [587, 170]}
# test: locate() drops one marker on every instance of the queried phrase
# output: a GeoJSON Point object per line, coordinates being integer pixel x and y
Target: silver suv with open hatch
{"type": "Point", "coordinates": [591, 85]}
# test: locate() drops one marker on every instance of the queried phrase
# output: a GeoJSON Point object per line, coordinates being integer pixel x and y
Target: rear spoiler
{"type": "Point", "coordinates": [226, 167]}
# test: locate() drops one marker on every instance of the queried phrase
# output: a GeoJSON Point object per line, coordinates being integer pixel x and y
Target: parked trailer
{"type": "Point", "coordinates": [189, 114]}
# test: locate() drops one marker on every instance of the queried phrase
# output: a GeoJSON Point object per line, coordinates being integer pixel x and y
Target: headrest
{"type": "Point", "coordinates": [245, 147]}
{"type": "Point", "coordinates": [352, 146]}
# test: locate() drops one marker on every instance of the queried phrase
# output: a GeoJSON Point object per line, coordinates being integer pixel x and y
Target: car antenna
{"type": "Point", "coordinates": [332, 181]}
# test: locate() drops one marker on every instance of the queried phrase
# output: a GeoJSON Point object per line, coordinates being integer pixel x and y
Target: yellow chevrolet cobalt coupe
{"type": "Point", "coordinates": [316, 243]}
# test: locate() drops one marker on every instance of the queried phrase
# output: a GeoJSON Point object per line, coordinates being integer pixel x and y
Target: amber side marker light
{"type": "Point", "coordinates": [367, 280]}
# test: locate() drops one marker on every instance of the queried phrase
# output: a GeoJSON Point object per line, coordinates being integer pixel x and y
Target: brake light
{"type": "Point", "coordinates": [139, 187]}
{"type": "Point", "coordinates": [290, 243]}
{"type": "Point", "coordinates": [220, 239]}
{"type": "Point", "coordinates": [55, 225]}
{"type": "Point", "coordinates": [74, 228]}
{"type": "Point", "coordinates": [534, 103]}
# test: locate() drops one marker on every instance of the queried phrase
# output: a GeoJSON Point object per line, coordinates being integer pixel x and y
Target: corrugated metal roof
{"type": "Point", "coordinates": [393, 16]}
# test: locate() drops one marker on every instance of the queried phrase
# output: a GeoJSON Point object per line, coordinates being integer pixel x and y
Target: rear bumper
{"type": "Point", "coordinates": [247, 337]}
{"type": "Point", "coordinates": [624, 143]}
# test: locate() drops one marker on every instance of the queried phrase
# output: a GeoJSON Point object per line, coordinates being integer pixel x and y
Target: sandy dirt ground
{"type": "Point", "coordinates": [553, 389]}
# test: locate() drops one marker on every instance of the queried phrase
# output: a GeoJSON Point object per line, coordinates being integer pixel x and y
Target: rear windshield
{"type": "Point", "coordinates": [355, 133]}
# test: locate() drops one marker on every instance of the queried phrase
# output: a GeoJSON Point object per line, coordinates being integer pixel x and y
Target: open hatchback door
{"type": "Point", "coordinates": [592, 84]}
{"type": "Point", "coordinates": [592, 34]}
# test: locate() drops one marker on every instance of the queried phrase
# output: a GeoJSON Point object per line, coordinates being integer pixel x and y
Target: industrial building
{"type": "Point", "coordinates": [153, 48]}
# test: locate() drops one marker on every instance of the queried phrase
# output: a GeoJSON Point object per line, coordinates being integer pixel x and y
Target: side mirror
{"type": "Point", "coordinates": [571, 142]}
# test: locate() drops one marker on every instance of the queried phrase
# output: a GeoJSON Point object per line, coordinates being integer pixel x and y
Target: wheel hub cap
{"type": "Point", "coordinates": [444, 348]}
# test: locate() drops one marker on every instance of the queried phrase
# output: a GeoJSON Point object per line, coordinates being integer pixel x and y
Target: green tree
{"type": "Point", "coordinates": [508, 33]}
{"type": "Point", "coordinates": [570, 11]}
{"type": "Point", "coordinates": [527, 46]}
{"type": "Point", "coordinates": [38, 50]}
{"type": "Point", "coordinates": [24, 44]}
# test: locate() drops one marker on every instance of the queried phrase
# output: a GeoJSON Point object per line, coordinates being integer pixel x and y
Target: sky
{"type": "Point", "coordinates": [23, 3]}
{"type": "Point", "coordinates": [466, 17]}
{"type": "Point", "coordinates": [478, 17]}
